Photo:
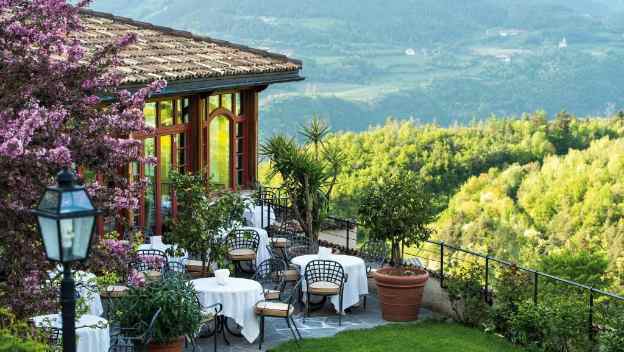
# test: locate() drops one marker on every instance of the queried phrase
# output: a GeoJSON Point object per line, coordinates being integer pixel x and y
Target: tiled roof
{"type": "Point", "coordinates": [165, 53]}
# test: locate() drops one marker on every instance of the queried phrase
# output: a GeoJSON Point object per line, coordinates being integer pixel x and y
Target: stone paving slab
{"type": "Point", "coordinates": [323, 323]}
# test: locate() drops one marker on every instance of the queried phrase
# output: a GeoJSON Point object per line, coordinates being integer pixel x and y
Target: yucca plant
{"type": "Point", "coordinates": [308, 172]}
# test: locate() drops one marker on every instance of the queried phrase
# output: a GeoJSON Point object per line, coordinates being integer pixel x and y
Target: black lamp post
{"type": "Point", "coordinates": [66, 220]}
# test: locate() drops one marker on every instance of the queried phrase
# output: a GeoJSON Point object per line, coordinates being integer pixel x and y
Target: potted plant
{"type": "Point", "coordinates": [398, 210]}
{"type": "Point", "coordinates": [179, 316]}
{"type": "Point", "coordinates": [202, 219]}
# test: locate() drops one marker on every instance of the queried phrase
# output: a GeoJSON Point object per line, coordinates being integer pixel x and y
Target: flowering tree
{"type": "Point", "coordinates": [52, 115]}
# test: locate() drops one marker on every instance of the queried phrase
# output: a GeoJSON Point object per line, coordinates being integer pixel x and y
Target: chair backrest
{"type": "Point", "coordinates": [53, 337]}
{"type": "Point", "coordinates": [374, 253]}
{"type": "Point", "coordinates": [149, 259]}
{"type": "Point", "coordinates": [264, 196]}
{"type": "Point", "coordinates": [177, 269]}
{"type": "Point", "coordinates": [291, 295]}
{"type": "Point", "coordinates": [270, 274]}
{"type": "Point", "coordinates": [300, 244]}
{"type": "Point", "coordinates": [324, 270]}
{"type": "Point", "coordinates": [243, 238]}
{"type": "Point", "coordinates": [149, 332]}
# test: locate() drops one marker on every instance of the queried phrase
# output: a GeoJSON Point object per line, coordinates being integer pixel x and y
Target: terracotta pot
{"type": "Point", "coordinates": [400, 295]}
{"type": "Point", "coordinates": [175, 346]}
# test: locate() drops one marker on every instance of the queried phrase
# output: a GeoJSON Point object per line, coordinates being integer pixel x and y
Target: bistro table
{"type": "Point", "coordinates": [354, 267]}
{"type": "Point", "coordinates": [238, 297]}
{"type": "Point", "coordinates": [91, 331]}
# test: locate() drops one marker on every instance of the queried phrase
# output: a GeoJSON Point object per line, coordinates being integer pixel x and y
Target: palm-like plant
{"type": "Point", "coordinates": [308, 172]}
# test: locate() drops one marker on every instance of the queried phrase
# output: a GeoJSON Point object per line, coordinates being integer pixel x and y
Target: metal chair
{"type": "Point", "coordinates": [284, 308]}
{"type": "Point", "coordinates": [176, 269]}
{"type": "Point", "coordinates": [209, 314]}
{"type": "Point", "coordinates": [149, 260]}
{"type": "Point", "coordinates": [374, 254]}
{"type": "Point", "coordinates": [270, 274]}
{"type": "Point", "coordinates": [53, 337]}
{"type": "Point", "coordinates": [242, 246]}
{"type": "Point", "coordinates": [300, 244]}
{"type": "Point", "coordinates": [325, 278]}
{"type": "Point", "coordinates": [126, 339]}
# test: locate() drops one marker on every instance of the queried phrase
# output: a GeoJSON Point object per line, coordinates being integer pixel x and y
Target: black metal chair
{"type": "Point", "coordinates": [374, 255]}
{"type": "Point", "coordinates": [270, 274]}
{"type": "Point", "coordinates": [283, 308]}
{"type": "Point", "coordinates": [300, 244]}
{"type": "Point", "coordinates": [209, 314]}
{"type": "Point", "coordinates": [242, 246]}
{"type": "Point", "coordinates": [325, 278]}
{"type": "Point", "coordinates": [149, 260]}
{"type": "Point", "coordinates": [126, 339]}
{"type": "Point", "coordinates": [176, 269]}
{"type": "Point", "coordinates": [53, 338]}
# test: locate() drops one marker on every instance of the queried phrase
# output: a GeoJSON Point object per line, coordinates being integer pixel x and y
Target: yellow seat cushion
{"type": "Point", "coordinates": [271, 294]}
{"type": "Point", "coordinates": [242, 254]}
{"type": "Point", "coordinates": [273, 309]}
{"type": "Point", "coordinates": [279, 242]}
{"type": "Point", "coordinates": [152, 275]}
{"type": "Point", "coordinates": [207, 316]}
{"type": "Point", "coordinates": [324, 288]}
{"type": "Point", "coordinates": [195, 265]}
{"type": "Point", "coordinates": [114, 291]}
{"type": "Point", "coordinates": [291, 275]}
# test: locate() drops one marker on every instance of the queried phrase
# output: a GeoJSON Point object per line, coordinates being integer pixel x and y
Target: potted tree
{"type": "Point", "coordinates": [202, 219]}
{"type": "Point", "coordinates": [180, 315]}
{"type": "Point", "coordinates": [398, 211]}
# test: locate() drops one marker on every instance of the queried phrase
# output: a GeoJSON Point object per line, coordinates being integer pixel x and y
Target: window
{"type": "Point", "coordinates": [220, 150]}
{"type": "Point", "coordinates": [150, 114]}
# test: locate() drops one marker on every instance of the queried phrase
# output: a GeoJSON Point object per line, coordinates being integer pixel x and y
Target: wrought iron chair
{"type": "Point", "coordinates": [175, 269]}
{"type": "Point", "coordinates": [283, 308]}
{"type": "Point", "coordinates": [242, 246]}
{"type": "Point", "coordinates": [53, 337]}
{"type": "Point", "coordinates": [281, 240]}
{"type": "Point", "coordinates": [209, 314]}
{"type": "Point", "coordinates": [325, 278]}
{"type": "Point", "coordinates": [126, 339]}
{"type": "Point", "coordinates": [300, 244]}
{"type": "Point", "coordinates": [374, 255]}
{"type": "Point", "coordinates": [149, 260]}
{"type": "Point", "coordinates": [270, 274]}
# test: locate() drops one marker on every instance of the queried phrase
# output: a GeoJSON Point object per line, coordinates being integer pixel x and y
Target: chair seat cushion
{"type": "Point", "coordinates": [114, 291]}
{"type": "Point", "coordinates": [273, 309]}
{"type": "Point", "coordinates": [152, 275]}
{"type": "Point", "coordinates": [324, 288]}
{"type": "Point", "coordinates": [291, 275]}
{"type": "Point", "coordinates": [207, 316]}
{"type": "Point", "coordinates": [242, 254]}
{"type": "Point", "coordinates": [279, 242]}
{"type": "Point", "coordinates": [194, 265]}
{"type": "Point", "coordinates": [271, 295]}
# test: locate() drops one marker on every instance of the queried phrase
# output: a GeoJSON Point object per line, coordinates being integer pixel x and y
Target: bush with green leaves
{"type": "Point", "coordinates": [512, 287]}
{"type": "Point", "coordinates": [203, 217]}
{"type": "Point", "coordinates": [19, 336]}
{"type": "Point", "coordinates": [398, 210]}
{"type": "Point", "coordinates": [612, 338]}
{"type": "Point", "coordinates": [465, 290]}
{"type": "Point", "coordinates": [176, 298]}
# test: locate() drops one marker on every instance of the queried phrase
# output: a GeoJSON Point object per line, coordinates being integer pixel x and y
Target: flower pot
{"type": "Point", "coordinates": [174, 346]}
{"type": "Point", "coordinates": [400, 292]}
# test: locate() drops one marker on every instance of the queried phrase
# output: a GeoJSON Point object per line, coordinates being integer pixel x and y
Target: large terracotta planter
{"type": "Point", "coordinates": [400, 295]}
{"type": "Point", "coordinates": [175, 346]}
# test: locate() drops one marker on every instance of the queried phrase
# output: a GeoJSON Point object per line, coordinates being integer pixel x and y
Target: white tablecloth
{"type": "Point", "coordinates": [258, 216]}
{"type": "Point", "coordinates": [238, 297]}
{"type": "Point", "coordinates": [92, 331]}
{"type": "Point", "coordinates": [356, 285]}
{"type": "Point", "coordinates": [88, 290]}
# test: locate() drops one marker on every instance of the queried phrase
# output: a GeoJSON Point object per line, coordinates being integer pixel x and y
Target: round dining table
{"type": "Point", "coordinates": [238, 297]}
{"type": "Point", "coordinates": [356, 285]}
{"type": "Point", "coordinates": [92, 332]}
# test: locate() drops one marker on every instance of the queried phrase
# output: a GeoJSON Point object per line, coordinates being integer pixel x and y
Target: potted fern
{"type": "Point", "coordinates": [180, 315]}
{"type": "Point", "coordinates": [398, 210]}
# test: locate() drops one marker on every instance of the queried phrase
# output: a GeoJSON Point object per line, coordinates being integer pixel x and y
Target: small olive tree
{"type": "Point", "coordinates": [398, 209]}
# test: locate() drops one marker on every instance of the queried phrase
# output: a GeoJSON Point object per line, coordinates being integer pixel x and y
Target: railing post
{"type": "Point", "coordinates": [535, 278]}
{"type": "Point", "coordinates": [348, 233]}
{"type": "Point", "coordinates": [261, 211]}
{"type": "Point", "coordinates": [442, 264]}
{"type": "Point", "coordinates": [487, 278]}
{"type": "Point", "coordinates": [269, 215]}
{"type": "Point", "coordinates": [591, 314]}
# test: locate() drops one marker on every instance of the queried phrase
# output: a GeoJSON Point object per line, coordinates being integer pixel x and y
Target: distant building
{"type": "Point", "coordinates": [410, 52]}
{"type": "Point", "coordinates": [563, 43]}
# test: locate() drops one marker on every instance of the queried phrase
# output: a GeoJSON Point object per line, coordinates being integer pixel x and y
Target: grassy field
{"type": "Point", "coordinates": [421, 337]}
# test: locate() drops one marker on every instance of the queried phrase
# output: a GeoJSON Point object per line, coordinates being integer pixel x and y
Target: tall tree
{"type": "Point", "coordinates": [53, 114]}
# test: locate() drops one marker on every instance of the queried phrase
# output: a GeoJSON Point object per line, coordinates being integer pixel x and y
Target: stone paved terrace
{"type": "Point", "coordinates": [323, 323]}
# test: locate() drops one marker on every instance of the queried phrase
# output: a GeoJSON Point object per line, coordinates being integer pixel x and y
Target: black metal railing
{"type": "Point", "coordinates": [437, 256]}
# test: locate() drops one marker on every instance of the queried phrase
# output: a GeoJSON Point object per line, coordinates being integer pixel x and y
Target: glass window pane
{"type": "Point", "coordinates": [150, 191]}
{"type": "Point", "coordinates": [150, 114]}
{"type": "Point", "coordinates": [213, 103]}
{"type": "Point", "coordinates": [181, 143]}
{"type": "Point", "coordinates": [166, 150]}
{"type": "Point", "coordinates": [166, 113]}
{"type": "Point", "coordinates": [238, 104]}
{"type": "Point", "coordinates": [183, 110]}
{"type": "Point", "coordinates": [226, 101]}
{"type": "Point", "coordinates": [220, 151]}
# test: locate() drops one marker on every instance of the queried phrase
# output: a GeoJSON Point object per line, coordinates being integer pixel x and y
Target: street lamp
{"type": "Point", "coordinates": [66, 220]}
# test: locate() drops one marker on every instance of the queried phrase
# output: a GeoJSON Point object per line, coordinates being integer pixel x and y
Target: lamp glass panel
{"type": "Point", "coordinates": [49, 231]}
{"type": "Point", "coordinates": [50, 201]}
{"type": "Point", "coordinates": [75, 201]}
{"type": "Point", "coordinates": [75, 237]}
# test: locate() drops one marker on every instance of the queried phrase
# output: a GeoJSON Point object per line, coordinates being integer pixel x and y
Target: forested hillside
{"type": "Point", "coordinates": [434, 60]}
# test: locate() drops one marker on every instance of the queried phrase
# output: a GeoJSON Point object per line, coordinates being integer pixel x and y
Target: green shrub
{"type": "Point", "coordinates": [17, 335]}
{"type": "Point", "coordinates": [180, 314]}
{"type": "Point", "coordinates": [463, 284]}
{"type": "Point", "coordinates": [612, 339]}
{"type": "Point", "coordinates": [512, 287]}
